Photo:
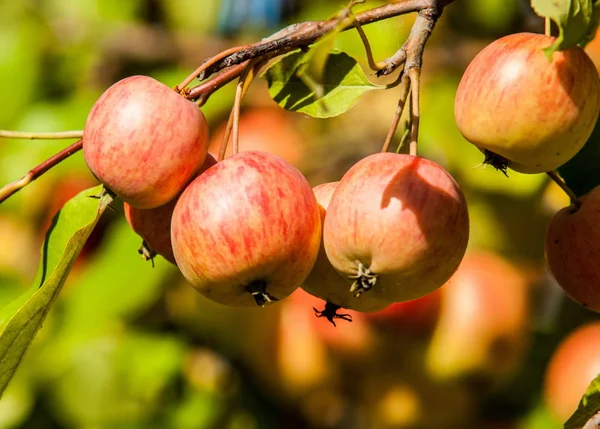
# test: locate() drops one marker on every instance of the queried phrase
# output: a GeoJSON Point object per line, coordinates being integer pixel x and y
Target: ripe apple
{"type": "Point", "coordinates": [572, 367]}
{"type": "Point", "coordinates": [573, 250]}
{"type": "Point", "coordinates": [247, 230]}
{"type": "Point", "coordinates": [144, 141]}
{"type": "Point", "coordinates": [418, 316]}
{"type": "Point", "coordinates": [265, 129]}
{"type": "Point", "coordinates": [398, 225]}
{"type": "Point", "coordinates": [484, 320]}
{"type": "Point", "coordinates": [324, 281]}
{"type": "Point", "coordinates": [154, 225]}
{"type": "Point", "coordinates": [535, 113]}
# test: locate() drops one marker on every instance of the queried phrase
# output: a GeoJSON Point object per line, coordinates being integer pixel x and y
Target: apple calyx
{"type": "Point", "coordinates": [364, 280]}
{"type": "Point", "coordinates": [258, 290]}
{"type": "Point", "coordinates": [497, 161]}
{"type": "Point", "coordinates": [330, 312]}
{"type": "Point", "coordinates": [147, 253]}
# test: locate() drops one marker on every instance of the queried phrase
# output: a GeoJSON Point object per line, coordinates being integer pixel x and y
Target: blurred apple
{"type": "Point", "coordinates": [418, 316]}
{"type": "Point", "coordinates": [484, 320]}
{"type": "Point", "coordinates": [573, 366]}
{"type": "Point", "coordinates": [267, 129]}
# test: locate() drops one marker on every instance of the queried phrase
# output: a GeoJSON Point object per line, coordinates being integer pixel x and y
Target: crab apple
{"type": "Point", "coordinates": [324, 281]}
{"type": "Point", "coordinates": [397, 225]}
{"type": "Point", "coordinates": [247, 230]}
{"type": "Point", "coordinates": [534, 112]}
{"type": "Point", "coordinates": [144, 141]}
{"type": "Point", "coordinates": [154, 225]}
{"type": "Point", "coordinates": [483, 324]}
{"type": "Point", "coordinates": [573, 250]}
{"type": "Point", "coordinates": [572, 367]}
{"type": "Point", "coordinates": [416, 317]}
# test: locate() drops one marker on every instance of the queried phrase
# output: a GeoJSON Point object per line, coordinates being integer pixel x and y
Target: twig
{"type": "Point", "coordinates": [575, 202]}
{"type": "Point", "coordinates": [404, 89]}
{"type": "Point", "coordinates": [37, 171]}
{"type": "Point", "coordinates": [41, 136]}
{"type": "Point", "coordinates": [304, 34]}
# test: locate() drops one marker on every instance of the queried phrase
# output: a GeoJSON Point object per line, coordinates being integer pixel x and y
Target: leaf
{"type": "Point", "coordinates": [588, 407]}
{"type": "Point", "coordinates": [343, 83]}
{"type": "Point", "coordinates": [20, 321]}
{"type": "Point", "coordinates": [577, 21]}
{"type": "Point", "coordinates": [582, 172]}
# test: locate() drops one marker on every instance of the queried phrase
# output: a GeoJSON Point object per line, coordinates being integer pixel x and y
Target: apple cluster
{"type": "Point", "coordinates": [250, 230]}
{"type": "Point", "coordinates": [532, 113]}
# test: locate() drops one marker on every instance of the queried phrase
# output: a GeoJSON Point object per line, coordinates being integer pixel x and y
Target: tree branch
{"type": "Point", "coordinates": [37, 171]}
{"type": "Point", "coordinates": [304, 34]}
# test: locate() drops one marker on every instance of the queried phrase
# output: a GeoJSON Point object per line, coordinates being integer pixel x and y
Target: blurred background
{"type": "Point", "coordinates": [128, 345]}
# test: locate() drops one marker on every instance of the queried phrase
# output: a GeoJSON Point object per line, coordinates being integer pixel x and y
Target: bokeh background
{"type": "Point", "coordinates": [128, 345]}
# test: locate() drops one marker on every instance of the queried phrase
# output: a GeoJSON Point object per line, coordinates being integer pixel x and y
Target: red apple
{"type": "Point", "coordinates": [483, 327]}
{"type": "Point", "coordinates": [573, 250]}
{"type": "Point", "coordinates": [398, 225]}
{"type": "Point", "coordinates": [154, 225]}
{"type": "Point", "coordinates": [247, 230]}
{"type": "Point", "coordinates": [144, 141]}
{"type": "Point", "coordinates": [418, 316]}
{"type": "Point", "coordinates": [265, 129]}
{"type": "Point", "coordinates": [324, 281]}
{"type": "Point", "coordinates": [534, 112]}
{"type": "Point", "coordinates": [572, 367]}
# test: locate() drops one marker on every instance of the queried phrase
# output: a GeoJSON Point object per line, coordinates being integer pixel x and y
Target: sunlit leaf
{"type": "Point", "coordinates": [21, 319]}
{"type": "Point", "coordinates": [343, 83]}
{"type": "Point", "coordinates": [577, 20]}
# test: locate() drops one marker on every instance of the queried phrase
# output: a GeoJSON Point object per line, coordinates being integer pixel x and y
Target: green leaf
{"type": "Point", "coordinates": [589, 406]}
{"type": "Point", "coordinates": [343, 84]}
{"type": "Point", "coordinates": [577, 21]}
{"type": "Point", "coordinates": [20, 321]}
{"type": "Point", "coordinates": [582, 172]}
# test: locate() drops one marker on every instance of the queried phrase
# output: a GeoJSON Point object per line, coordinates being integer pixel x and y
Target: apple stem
{"type": "Point", "coordinates": [575, 201]}
{"type": "Point", "coordinates": [228, 64]}
{"type": "Point", "coordinates": [415, 114]}
{"type": "Point", "coordinates": [8, 190]}
{"type": "Point", "coordinates": [41, 136]}
{"type": "Point", "coordinates": [330, 312]}
{"type": "Point", "coordinates": [404, 89]}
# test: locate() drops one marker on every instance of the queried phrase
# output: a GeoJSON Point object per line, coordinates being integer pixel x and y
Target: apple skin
{"type": "Point", "coordinates": [535, 113]}
{"type": "Point", "coordinates": [144, 141]}
{"type": "Point", "coordinates": [324, 281]}
{"type": "Point", "coordinates": [484, 319]}
{"type": "Point", "coordinates": [250, 220]}
{"type": "Point", "coordinates": [401, 216]}
{"type": "Point", "coordinates": [265, 129]}
{"type": "Point", "coordinates": [572, 367]}
{"type": "Point", "coordinates": [573, 250]}
{"type": "Point", "coordinates": [154, 225]}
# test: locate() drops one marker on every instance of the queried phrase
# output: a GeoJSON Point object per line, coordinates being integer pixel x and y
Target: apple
{"type": "Point", "coordinates": [483, 327]}
{"type": "Point", "coordinates": [397, 225]}
{"type": "Point", "coordinates": [265, 129]}
{"type": "Point", "coordinates": [247, 230]}
{"type": "Point", "coordinates": [572, 367]}
{"type": "Point", "coordinates": [324, 281]}
{"type": "Point", "coordinates": [535, 113]}
{"type": "Point", "coordinates": [154, 225]}
{"type": "Point", "coordinates": [573, 250]}
{"type": "Point", "coordinates": [144, 141]}
{"type": "Point", "coordinates": [418, 316]}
